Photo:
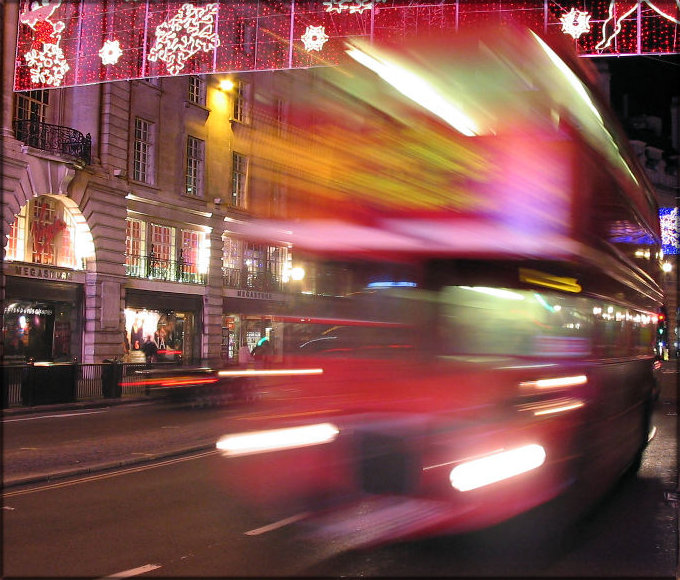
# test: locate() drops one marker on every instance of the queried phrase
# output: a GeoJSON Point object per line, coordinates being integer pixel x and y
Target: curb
{"type": "Point", "coordinates": [93, 404]}
{"type": "Point", "coordinates": [102, 467]}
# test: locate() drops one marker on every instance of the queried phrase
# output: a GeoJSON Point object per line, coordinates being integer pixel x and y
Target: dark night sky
{"type": "Point", "coordinates": [649, 81]}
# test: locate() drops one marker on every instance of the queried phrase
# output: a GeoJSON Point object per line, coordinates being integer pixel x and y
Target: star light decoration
{"type": "Point", "coordinates": [575, 23]}
{"type": "Point", "coordinates": [314, 38]}
{"type": "Point", "coordinates": [189, 31]}
{"type": "Point", "coordinates": [110, 52]}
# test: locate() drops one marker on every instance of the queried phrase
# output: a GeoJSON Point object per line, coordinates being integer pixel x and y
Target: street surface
{"type": "Point", "coordinates": [174, 517]}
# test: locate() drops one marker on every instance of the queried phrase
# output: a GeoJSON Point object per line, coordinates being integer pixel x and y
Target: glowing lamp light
{"type": "Point", "coordinates": [227, 85]}
{"type": "Point", "coordinates": [667, 267]}
{"type": "Point", "coordinates": [497, 467]}
{"type": "Point", "coordinates": [277, 439]}
{"type": "Point", "coordinates": [297, 273]}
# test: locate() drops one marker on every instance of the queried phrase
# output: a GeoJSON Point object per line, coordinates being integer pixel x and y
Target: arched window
{"type": "Point", "coordinates": [44, 232]}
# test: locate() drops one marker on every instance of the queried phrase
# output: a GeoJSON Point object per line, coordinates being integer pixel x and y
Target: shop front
{"type": "Point", "coordinates": [42, 318]}
{"type": "Point", "coordinates": [249, 319]}
{"type": "Point", "coordinates": [169, 322]}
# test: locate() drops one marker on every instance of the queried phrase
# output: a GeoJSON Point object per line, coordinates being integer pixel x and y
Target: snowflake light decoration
{"type": "Point", "coordinates": [189, 31]}
{"type": "Point", "coordinates": [48, 66]}
{"type": "Point", "coordinates": [344, 5]}
{"type": "Point", "coordinates": [110, 52]}
{"type": "Point", "coordinates": [314, 38]}
{"type": "Point", "coordinates": [669, 219]}
{"type": "Point", "coordinates": [575, 23]}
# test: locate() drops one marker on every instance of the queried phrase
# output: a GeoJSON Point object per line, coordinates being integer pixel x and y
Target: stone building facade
{"type": "Point", "coordinates": [116, 204]}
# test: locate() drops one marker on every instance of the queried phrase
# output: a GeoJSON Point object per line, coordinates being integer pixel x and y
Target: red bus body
{"type": "Point", "coordinates": [496, 349]}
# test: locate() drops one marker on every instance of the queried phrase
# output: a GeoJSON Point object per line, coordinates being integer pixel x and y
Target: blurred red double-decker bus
{"type": "Point", "coordinates": [477, 337]}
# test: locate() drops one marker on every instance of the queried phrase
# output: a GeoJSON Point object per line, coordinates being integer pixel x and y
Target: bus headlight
{"type": "Point", "coordinates": [496, 467]}
{"type": "Point", "coordinates": [277, 439]}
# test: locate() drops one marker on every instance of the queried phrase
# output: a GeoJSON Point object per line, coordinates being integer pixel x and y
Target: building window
{"type": "Point", "coordinates": [232, 252]}
{"type": "Point", "coordinates": [66, 250]}
{"type": "Point", "coordinates": [45, 232]}
{"type": "Point", "coordinates": [134, 244]}
{"type": "Point", "coordinates": [161, 252]}
{"type": "Point", "coordinates": [239, 180]}
{"type": "Point", "coordinates": [242, 102]}
{"type": "Point", "coordinates": [196, 90]}
{"type": "Point", "coordinates": [194, 167]}
{"type": "Point", "coordinates": [190, 256]}
{"type": "Point", "coordinates": [143, 151]}
{"type": "Point", "coordinates": [44, 226]}
{"type": "Point", "coordinates": [12, 248]}
{"type": "Point", "coordinates": [253, 266]}
{"type": "Point", "coordinates": [32, 106]}
{"type": "Point", "coordinates": [280, 117]}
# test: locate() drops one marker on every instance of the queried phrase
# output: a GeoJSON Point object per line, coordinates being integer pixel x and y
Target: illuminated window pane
{"type": "Point", "coordinates": [43, 230]}
{"type": "Point", "coordinates": [134, 244]}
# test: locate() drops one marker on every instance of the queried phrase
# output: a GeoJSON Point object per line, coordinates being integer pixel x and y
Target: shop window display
{"type": "Point", "coordinates": [169, 331]}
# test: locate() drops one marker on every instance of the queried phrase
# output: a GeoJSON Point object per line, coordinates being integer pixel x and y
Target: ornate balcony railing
{"type": "Point", "coordinates": [154, 268]}
{"type": "Point", "coordinates": [244, 279]}
{"type": "Point", "coordinates": [54, 139]}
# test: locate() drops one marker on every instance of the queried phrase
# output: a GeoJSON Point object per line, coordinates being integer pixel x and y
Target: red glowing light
{"type": "Point", "coordinates": [62, 44]}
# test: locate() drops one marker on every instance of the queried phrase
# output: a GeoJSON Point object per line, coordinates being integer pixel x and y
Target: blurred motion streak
{"type": "Point", "coordinates": [496, 467]}
{"type": "Point", "coordinates": [269, 373]}
{"type": "Point", "coordinates": [474, 335]}
{"type": "Point", "coordinates": [277, 439]}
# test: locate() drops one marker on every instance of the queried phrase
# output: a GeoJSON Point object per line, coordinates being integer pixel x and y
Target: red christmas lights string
{"type": "Point", "coordinates": [67, 42]}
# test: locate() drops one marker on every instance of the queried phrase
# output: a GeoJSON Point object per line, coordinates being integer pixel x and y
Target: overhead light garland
{"type": "Point", "coordinates": [355, 7]}
{"type": "Point", "coordinates": [65, 43]}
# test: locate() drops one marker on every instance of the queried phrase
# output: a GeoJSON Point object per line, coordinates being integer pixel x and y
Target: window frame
{"type": "Point", "coordinates": [196, 90]}
{"type": "Point", "coordinates": [239, 179]}
{"type": "Point", "coordinates": [143, 151]}
{"type": "Point", "coordinates": [194, 166]}
{"type": "Point", "coordinates": [241, 104]}
{"type": "Point", "coordinates": [34, 103]}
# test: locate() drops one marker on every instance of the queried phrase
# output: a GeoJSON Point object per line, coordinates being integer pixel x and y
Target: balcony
{"type": "Point", "coordinates": [153, 268]}
{"type": "Point", "coordinates": [244, 279]}
{"type": "Point", "coordinates": [54, 139]}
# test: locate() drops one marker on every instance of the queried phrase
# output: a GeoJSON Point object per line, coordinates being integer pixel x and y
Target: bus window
{"type": "Point", "coordinates": [511, 322]}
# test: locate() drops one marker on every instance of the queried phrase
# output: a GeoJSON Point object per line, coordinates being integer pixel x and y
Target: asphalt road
{"type": "Point", "coordinates": [175, 517]}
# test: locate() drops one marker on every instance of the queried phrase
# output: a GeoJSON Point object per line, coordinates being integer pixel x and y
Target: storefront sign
{"type": "Point", "coordinates": [43, 273]}
{"type": "Point", "coordinates": [253, 295]}
{"type": "Point", "coordinates": [28, 308]}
